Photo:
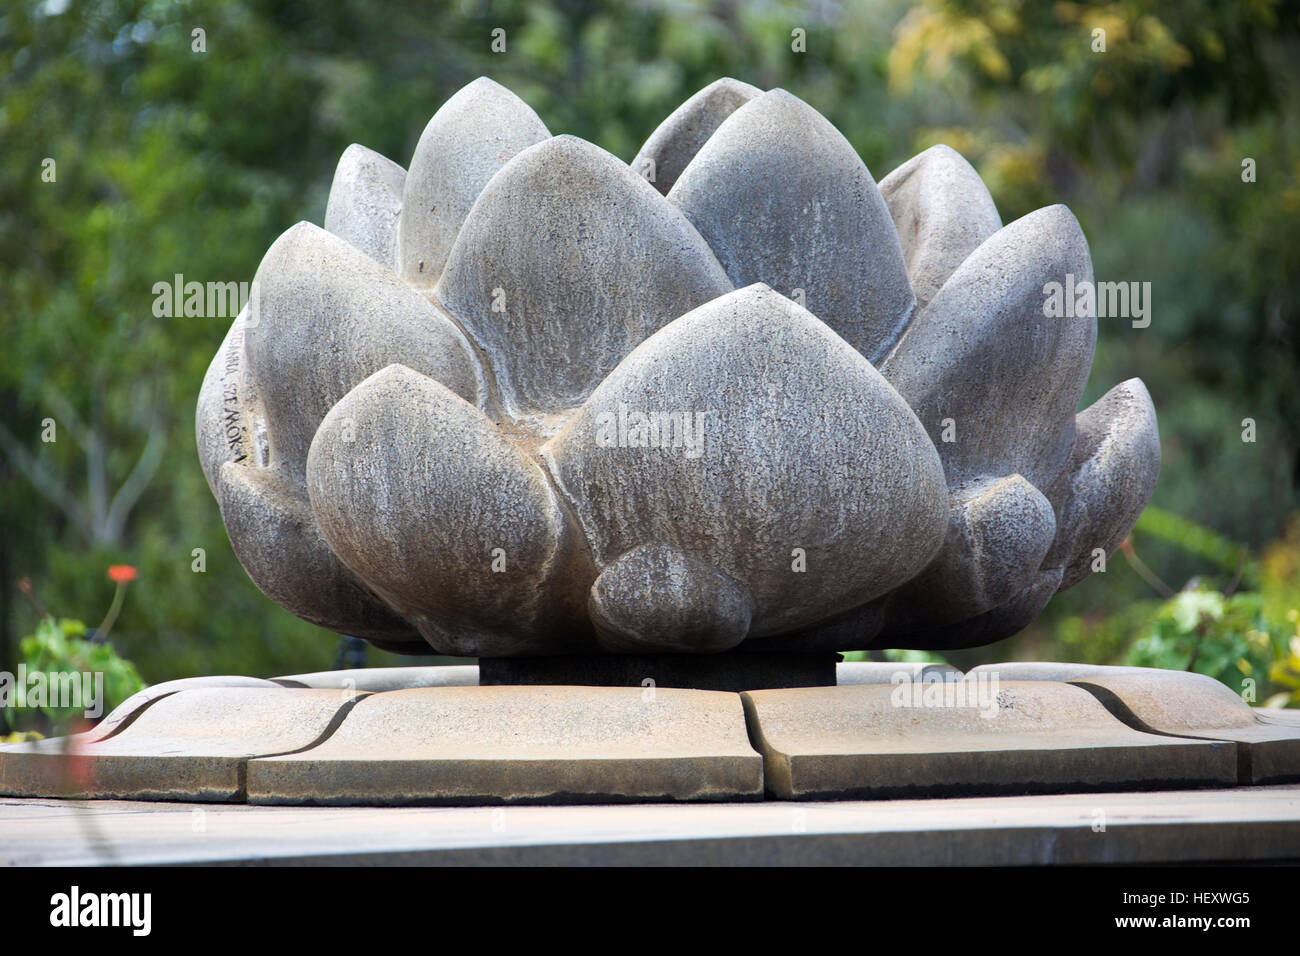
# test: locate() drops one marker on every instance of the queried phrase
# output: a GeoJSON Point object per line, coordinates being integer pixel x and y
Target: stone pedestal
{"type": "Point", "coordinates": [440, 735]}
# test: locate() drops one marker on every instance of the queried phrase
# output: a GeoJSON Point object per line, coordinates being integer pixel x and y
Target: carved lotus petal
{"type": "Point", "coordinates": [365, 201]}
{"type": "Point", "coordinates": [782, 198]}
{"type": "Point", "coordinates": [1108, 480]}
{"type": "Point", "coordinates": [476, 132]}
{"type": "Point", "coordinates": [983, 356]}
{"type": "Point", "coordinates": [567, 262]}
{"type": "Point", "coordinates": [674, 144]}
{"type": "Point", "coordinates": [418, 492]}
{"type": "Point", "coordinates": [942, 213]}
{"type": "Point", "coordinates": [789, 439]}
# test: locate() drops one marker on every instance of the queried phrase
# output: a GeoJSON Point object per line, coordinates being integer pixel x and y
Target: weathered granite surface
{"type": "Point", "coordinates": [1194, 705]}
{"type": "Point", "coordinates": [1029, 737]}
{"type": "Point", "coordinates": [467, 745]}
{"type": "Point", "coordinates": [365, 201]}
{"type": "Point", "coordinates": [189, 745]}
{"type": "Point", "coordinates": [1223, 826]}
{"type": "Point", "coordinates": [674, 144]}
{"type": "Point", "coordinates": [432, 735]}
{"type": "Point", "coordinates": [519, 400]}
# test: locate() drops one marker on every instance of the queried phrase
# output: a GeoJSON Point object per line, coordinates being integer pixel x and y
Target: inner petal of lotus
{"type": "Point", "coordinates": [473, 135]}
{"type": "Point", "coordinates": [783, 199]}
{"type": "Point", "coordinates": [364, 203]}
{"type": "Point", "coordinates": [942, 212]}
{"type": "Point", "coordinates": [567, 262]}
{"type": "Point", "coordinates": [674, 144]}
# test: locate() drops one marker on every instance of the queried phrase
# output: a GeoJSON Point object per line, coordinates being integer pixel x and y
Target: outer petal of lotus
{"type": "Point", "coordinates": [679, 137]}
{"type": "Point", "coordinates": [568, 260]}
{"type": "Point", "coordinates": [450, 522]}
{"type": "Point", "coordinates": [999, 531]}
{"type": "Point", "coordinates": [472, 135]}
{"type": "Point", "coordinates": [942, 212]}
{"type": "Point", "coordinates": [1109, 479]}
{"type": "Point", "coordinates": [266, 515]}
{"type": "Point", "coordinates": [782, 198]}
{"type": "Point", "coordinates": [656, 598]}
{"type": "Point", "coordinates": [325, 316]}
{"type": "Point", "coordinates": [276, 540]}
{"type": "Point", "coordinates": [222, 429]}
{"type": "Point", "coordinates": [984, 364]}
{"type": "Point", "coordinates": [1099, 495]}
{"type": "Point", "coordinates": [749, 437]}
{"type": "Point", "coordinates": [322, 317]}
{"type": "Point", "coordinates": [364, 202]}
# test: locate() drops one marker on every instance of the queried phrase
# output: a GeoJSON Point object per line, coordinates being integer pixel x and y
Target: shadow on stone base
{"type": "Point", "coordinates": [730, 672]}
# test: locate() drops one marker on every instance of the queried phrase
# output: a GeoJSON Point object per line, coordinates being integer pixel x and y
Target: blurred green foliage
{"type": "Point", "coordinates": [174, 161]}
{"type": "Point", "coordinates": [1200, 630]}
{"type": "Point", "coordinates": [1285, 673]}
{"type": "Point", "coordinates": [60, 646]}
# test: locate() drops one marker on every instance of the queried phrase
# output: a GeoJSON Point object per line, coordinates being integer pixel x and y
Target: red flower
{"type": "Point", "coordinates": [121, 573]}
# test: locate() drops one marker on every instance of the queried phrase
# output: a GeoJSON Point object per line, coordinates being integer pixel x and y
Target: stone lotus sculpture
{"type": "Point", "coordinates": [521, 400]}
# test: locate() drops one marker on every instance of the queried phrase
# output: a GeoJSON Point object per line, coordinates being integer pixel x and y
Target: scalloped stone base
{"type": "Point", "coordinates": [435, 736]}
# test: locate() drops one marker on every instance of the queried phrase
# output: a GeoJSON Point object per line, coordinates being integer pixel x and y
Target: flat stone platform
{"type": "Point", "coordinates": [1238, 825]}
{"type": "Point", "coordinates": [441, 737]}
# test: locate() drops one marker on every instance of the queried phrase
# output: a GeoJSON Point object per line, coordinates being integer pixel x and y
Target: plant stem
{"type": "Point", "coordinates": [101, 635]}
{"type": "Point", "coordinates": [1144, 572]}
